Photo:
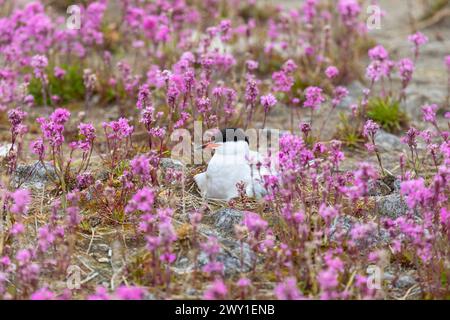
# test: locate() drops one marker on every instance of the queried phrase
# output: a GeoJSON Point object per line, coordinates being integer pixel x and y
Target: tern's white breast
{"type": "Point", "coordinates": [228, 167]}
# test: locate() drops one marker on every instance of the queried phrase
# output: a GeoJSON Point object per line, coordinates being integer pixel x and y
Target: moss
{"type": "Point", "coordinates": [388, 114]}
{"type": "Point", "coordinates": [70, 88]}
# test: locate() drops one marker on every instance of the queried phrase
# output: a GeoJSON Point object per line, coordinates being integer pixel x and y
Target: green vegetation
{"type": "Point", "coordinates": [388, 114]}
{"type": "Point", "coordinates": [69, 89]}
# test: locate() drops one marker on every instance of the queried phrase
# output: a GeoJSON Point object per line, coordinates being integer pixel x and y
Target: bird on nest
{"type": "Point", "coordinates": [232, 163]}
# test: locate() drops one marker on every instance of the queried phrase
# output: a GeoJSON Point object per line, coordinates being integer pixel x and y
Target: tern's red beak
{"type": "Point", "coordinates": [212, 145]}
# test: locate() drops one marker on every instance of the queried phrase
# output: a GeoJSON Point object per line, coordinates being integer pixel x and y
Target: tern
{"type": "Point", "coordinates": [233, 162]}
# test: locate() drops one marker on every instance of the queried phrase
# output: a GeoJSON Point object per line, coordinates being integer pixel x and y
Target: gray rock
{"type": "Point", "coordinates": [234, 257]}
{"type": "Point", "coordinates": [355, 92]}
{"type": "Point", "coordinates": [102, 175]}
{"type": "Point", "coordinates": [392, 206]}
{"type": "Point", "coordinates": [388, 276]}
{"type": "Point", "coordinates": [34, 176]}
{"type": "Point", "coordinates": [419, 95]}
{"type": "Point", "coordinates": [150, 296]}
{"type": "Point", "coordinates": [182, 266]}
{"type": "Point", "coordinates": [230, 257]}
{"type": "Point", "coordinates": [397, 185]}
{"type": "Point", "coordinates": [378, 188]}
{"type": "Point", "coordinates": [167, 163]}
{"type": "Point", "coordinates": [224, 221]}
{"type": "Point", "coordinates": [388, 142]}
{"type": "Point", "coordinates": [342, 226]}
{"type": "Point", "coordinates": [405, 281]}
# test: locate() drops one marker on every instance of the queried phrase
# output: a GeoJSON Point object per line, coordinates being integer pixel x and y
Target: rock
{"type": "Point", "coordinates": [149, 296]}
{"type": "Point", "coordinates": [167, 163]}
{"type": "Point", "coordinates": [4, 149]}
{"type": "Point", "coordinates": [355, 92]}
{"type": "Point", "coordinates": [343, 225]}
{"type": "Point", "coordinates": [230, 257]}
{"type": "Point", "coordinates": [388, 276]}
{"type": "Point", "coordinates": [220, 225]}
{"type": "Point", "coordinates": [392, 205]}
{"type": "Point", "coordinates": [34, 176]}
{"type": "Point", "coordinates": [397, 185]}
{"type": "Point", "coordinates": [388, 142]}
{"type": "Point", "coordinates": [224, 221]}
{"type": "Point", "coordinates": [378, 188]}
{"type": "Point", "coordinates": [418, 95]}
{"type": "Point", "coordinates": [102, 175]}
{"type": "Point", "coordinates": [405, 282]}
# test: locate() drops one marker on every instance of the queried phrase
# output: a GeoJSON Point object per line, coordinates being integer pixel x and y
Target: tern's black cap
{"type": "Point", "coordinates": [231, 134]}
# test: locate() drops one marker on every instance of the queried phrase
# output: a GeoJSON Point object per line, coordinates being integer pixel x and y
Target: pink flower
{"type": "Point", "coordinates": [38, 148]}
{"type": "Point", "coordinates": [23, 256]}
{"type": "Point", "coordinates": [406, 69]}
{"type": "Point", "coordinates": [289, 66]}
{"type": "Point", "coordinates": [255, 223]}
{"type": "Point", "coordinates": [418, 39]}
{"type": "Point", "coordinates": [244, 282]}
{"type": "Point", "coordinates": [332, 72]}
{"type": "Point", "coordinates": [119, 130]}
{"type": "Point", "coordinates": [429, 113]}
{"type": "Point", "coordinates": [251, 91]}
{"type": "Point", "coordinates": [16, 117]}
{"type": "Point", "coordinates": [251, 64]}
{"type": "Point", "coordinates": [17, 228]}
{"type": "Point", "coordinates": [327, 213]}
{"type": "Point", "coordinates": [59, 73]}
{"type": "Point", "coordinates": [60, 116]}
{"type": "Point", "coordinates": [370, 129]}
{"type": "Point", "coordinates": [21, 200]}
{"type": "Point", "coordinates": [39, 63]}
{"type": "Point", "coordinates": [43, 294]}
{"type": "Point", "coordinates": [129, 293]}
{"type": "Point", "coordinates": [411, 137]}
{"type": "Point", "coordinates": [143, 201]}
{"type": "Point", "coordinates": [445, 217]}
{"type": "Point", "coordinates": [288, 290]}
{"type": "Point", "coordinates": [328, 279]}
{"type": "Point", "coordinates": [282, 81]}
{"type": "Point", "coordinates": [167, 234]}
{"type": "Point", "coordinates": [268, 101]}
{"type": "Point", "coordinates": [100, 294]}
{"type": "Point", "coordinates": [447, 62]}
{"type": "Point", "coordinates": [339, 94]}
{"type": "Point", "coordinates": [216, 291]}
{"type": "Point", "coordinates": [415, 192]}
{"type": "Point", "coordinates": [140, 166]}
{"type": "Point", "coordinates": [314, 97]}
{"type": "Point", "coordinates": [144, 97]}
{"type": "Point", "coordinates": [84, 180]}
{"type": "Point", "coordinates": [378, 53]}
{"type": "Point", "coordinates": [349, 11]}
{"type": "Point", "coordinates": [309, 9]}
